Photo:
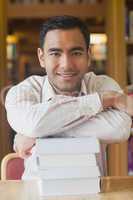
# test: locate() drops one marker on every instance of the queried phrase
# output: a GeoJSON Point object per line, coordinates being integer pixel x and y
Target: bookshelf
{"type": "Point", "coordinates": [5, 146]}
{"type": "Point", "coordinates": [129, 40]}
{"type": "Point", "coordinates": [129, 55]}
{"type": "Point", "coordinates": [44, 10]}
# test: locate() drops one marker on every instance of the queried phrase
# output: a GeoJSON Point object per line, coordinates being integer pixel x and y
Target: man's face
{"type": "Point", "coordinates": [65, 58]}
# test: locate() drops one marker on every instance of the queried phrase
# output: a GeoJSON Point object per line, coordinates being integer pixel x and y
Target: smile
{"type": "Point", "coordinates": [67, 76]}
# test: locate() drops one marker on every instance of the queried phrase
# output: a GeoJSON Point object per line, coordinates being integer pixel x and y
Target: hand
{"type": "Point", "coordinates": [118, 101]}
{"type": "Point", "coordinates": [23, 145]}
{"type": "Point", "coordinates": [111, 99]}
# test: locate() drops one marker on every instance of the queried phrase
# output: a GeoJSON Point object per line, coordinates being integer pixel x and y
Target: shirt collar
{"type": "Point", "coordinates": [48, 91]}
{"type": "Point", "coordinates": [83, 88]}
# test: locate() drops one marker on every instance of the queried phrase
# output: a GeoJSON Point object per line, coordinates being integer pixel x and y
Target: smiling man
{"type": "Point", "coordinates": [65, 62]}
{"type": "Point", "coordinates": [69, 101]}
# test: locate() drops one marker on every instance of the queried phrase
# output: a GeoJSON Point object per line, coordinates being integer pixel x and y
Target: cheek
{"type": "Point", "coordinates": [83, 66]}
{"type": "Point", "coordinates": [52, 62]}
{"type": "Point", "coordinates": [49, 70]}
{"type": "Point", "coordinates": [50, 66]}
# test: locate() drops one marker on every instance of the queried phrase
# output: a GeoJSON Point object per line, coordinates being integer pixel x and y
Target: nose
{"type": "Point", "coordinates": [66, 62]}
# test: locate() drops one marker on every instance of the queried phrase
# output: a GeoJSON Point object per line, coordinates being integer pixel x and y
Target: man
{"type": "Point", "coordinates": [69, 101]}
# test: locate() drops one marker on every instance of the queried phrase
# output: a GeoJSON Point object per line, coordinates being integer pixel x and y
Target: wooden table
{"type": "Point", "coordinates": [114, 188]}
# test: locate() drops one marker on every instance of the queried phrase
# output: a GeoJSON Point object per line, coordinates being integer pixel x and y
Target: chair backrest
{"type": "Point", "coordinates": [12, 167]}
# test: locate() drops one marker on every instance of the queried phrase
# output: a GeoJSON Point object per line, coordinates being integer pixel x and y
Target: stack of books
{"type": "Point", "coordinates": [68, 166]}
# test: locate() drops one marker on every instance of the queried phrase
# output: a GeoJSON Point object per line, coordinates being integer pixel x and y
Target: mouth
{"type": "Point", "coordinates": [66, 75]}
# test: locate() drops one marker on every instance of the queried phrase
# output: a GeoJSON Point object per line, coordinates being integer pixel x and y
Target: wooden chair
{"type": "Point", "coordinates": [12, 167]}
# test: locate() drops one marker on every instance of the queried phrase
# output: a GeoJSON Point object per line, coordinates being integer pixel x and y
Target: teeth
{"type": "Point", "coordinates": [66, 74]}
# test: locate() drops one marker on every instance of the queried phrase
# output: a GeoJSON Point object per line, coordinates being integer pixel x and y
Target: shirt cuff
{"type": "Point", "coordinates": [90, 105]}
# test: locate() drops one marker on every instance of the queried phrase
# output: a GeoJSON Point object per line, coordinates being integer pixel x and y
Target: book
{"type": "Point", "coordinates": [69, 187]}
{"type": "Point", "coordinates": [67, 166]}
{"type": "Point", "coordinates": [69, 172]}
{"type": "Point", "coordinates": [67, 146]}
{"type": "Point", "coordinates": [131, 24]}
{"type": "Point", "coordinates": [67, 160]}
{"type": "Point", "coordinates": [130, 69]}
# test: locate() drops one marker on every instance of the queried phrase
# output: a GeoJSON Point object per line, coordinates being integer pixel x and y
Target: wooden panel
{"type": "Point", "coordinates": [116, 40]}
{"type": "Point", "coordinates": [116, 183]}
{"type": "Point", "coordinates": [4, 136]}
{"type": "Point", "coordinates": [116, 68]}
{"type": "Point", "coordinates": [47, 10]}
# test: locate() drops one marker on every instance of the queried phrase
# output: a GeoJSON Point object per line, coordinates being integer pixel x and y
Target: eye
{"type": "Point", "coordinates": [55, 54]}
{"type": "Point", "coordinates": [77, 53]}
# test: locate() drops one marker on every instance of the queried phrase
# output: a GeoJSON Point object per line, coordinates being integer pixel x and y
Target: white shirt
{"type": "Point", "coordinates": [34, 110]}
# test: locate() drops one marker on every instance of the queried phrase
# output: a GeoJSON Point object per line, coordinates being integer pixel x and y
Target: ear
{"type": "Point", "coordinates": [89, 56]}
{"type": "Point", "coordinates": [40, 54]}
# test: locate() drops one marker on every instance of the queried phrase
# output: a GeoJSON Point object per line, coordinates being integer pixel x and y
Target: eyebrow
{"type": "Point", "coordinates": [54, 49]}
{"type": "Point", "coordinates": [78, 48]}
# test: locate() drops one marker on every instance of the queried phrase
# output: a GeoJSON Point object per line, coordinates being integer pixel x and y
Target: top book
{"type": "Point", "coordinates": [67, 145]}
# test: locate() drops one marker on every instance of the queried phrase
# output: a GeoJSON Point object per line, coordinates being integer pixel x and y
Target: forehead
{"type": "Point", "coordinates": [64, 38]}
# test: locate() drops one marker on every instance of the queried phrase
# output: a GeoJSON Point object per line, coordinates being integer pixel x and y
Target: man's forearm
{"type": "Point", "coordinates": [109, 126]}
{"type": "Point", "coordinates": [44, 119]}
{"type": "Point", "coordinates": [62, 112]}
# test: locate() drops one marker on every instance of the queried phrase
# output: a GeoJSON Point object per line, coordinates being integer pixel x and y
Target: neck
{"type": "Point", "coordinates": [73, 93]}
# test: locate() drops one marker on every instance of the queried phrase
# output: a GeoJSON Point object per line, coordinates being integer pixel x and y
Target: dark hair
{"type": "Point", "coordinates": [64, 22]}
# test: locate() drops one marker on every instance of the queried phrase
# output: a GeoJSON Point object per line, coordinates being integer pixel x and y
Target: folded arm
{"type": "Point", "coordinates": [110, 126]}
{"type": "Point", "coordinates": [33, 119]}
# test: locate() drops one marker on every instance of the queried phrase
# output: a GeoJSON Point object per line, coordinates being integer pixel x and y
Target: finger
{"type": "Point", "coordinates": [23, 154]}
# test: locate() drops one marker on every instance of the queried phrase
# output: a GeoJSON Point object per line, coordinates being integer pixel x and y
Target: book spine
{"type": "Point", "coordinates": [67, 146]}
{"type": "Point", "coordinates": [66, 160]}
{"type": "Point", "coordinates": [69, 172]}
{"type": "Point", "coordinates": [69, 187]}
{"type": "Point", "coordinates": [130, 69]}
{"type": "Point", "coordinates": [131, 25]}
